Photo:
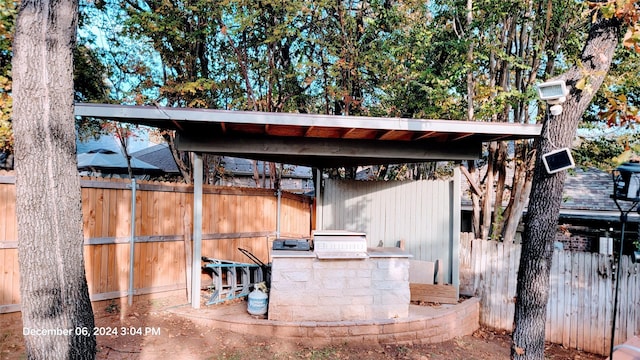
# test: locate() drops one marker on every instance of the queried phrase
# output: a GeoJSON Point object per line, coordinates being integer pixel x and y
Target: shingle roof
{"type": "Point", "coordinates": [588, 189]}
{"type": "Point", "coordinates": [584, 190]}
{"type": "Point", "coordinates": [159, 156]}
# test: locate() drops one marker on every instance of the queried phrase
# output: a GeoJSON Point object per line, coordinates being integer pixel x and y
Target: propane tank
{"type": "Point", "coordinates": [258, 300]}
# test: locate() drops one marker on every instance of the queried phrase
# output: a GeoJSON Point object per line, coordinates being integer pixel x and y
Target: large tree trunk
{"type": "Point", "coordinates": [546, 194]}
{"type": "Point", "coordinates": [53, 286]}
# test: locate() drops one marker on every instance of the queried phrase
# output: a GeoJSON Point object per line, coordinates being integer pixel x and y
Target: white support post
{"type": "Point", "coordinates": [278, 210]}
{"type": "Point", "coordinates": [319, 219]}
{"type": "Point", "coordinates": [454, 253]}
{"type": "Point", "coordinates": [197, 231]}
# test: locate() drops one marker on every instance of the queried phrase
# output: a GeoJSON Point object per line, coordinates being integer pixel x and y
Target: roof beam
{"type": "Point", "coordinates": [329, 152]}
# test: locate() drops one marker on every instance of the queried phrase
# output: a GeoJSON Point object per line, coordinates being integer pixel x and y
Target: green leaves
{"type": "Point", "coordinates": [8, 14]}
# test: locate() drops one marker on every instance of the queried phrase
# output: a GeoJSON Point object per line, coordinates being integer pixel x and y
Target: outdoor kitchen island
{"type": "Point", "coordinates": [340, 280]}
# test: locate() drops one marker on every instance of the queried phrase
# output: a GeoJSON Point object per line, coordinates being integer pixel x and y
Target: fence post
{"type": "Point", "coordinates": [187, 229]}
{"type": "Point", "coordinates": [132, 240]}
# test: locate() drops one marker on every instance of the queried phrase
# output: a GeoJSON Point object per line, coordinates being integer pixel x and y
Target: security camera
{"type": "Point", "coordinates": [556, 109]}
{"type": "Point", "coordinates": [553, 92]}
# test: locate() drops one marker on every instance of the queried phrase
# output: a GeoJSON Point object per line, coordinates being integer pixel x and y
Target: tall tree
{"type": "Point", "coordinates": [53, 286]}
{"type": "Point", "coordinates": [583, 80]}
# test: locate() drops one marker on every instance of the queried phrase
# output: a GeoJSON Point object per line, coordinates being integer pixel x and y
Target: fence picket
{"type": "Point", "coordinates": [587, 320]}
{"type": "Point", "coordinates": [607, 289]}
{"type": "Point", "coordinates": [494, 310]}
{"type": "Point", "coordinates": [552, 308]}
{"type": "Point", "coordinates": [514, 258]}
{"type": "Point", "coordinates": [582, 320]}
{"type": "Point", "coordinates": [559, 299]}
{"type": "Point", "coordinates": [566, 297]}
{"type": "Point", "coordinates": [503, 277]}
{"type": "Point", "coordinates": [483, 279]}
{"type": "Point", "coordinates": [597, 313]}
{"type": "Point", "coordinates": [474, 252]}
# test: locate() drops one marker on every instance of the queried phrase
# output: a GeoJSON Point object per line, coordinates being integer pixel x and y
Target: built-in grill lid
{"type": "Point", "coordinates": [291, 244]}
{"type": "Point", "coordinates": [340, 244]}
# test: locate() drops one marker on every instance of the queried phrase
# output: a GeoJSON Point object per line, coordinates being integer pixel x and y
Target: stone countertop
{"type": "Point", "coordinates": [377, 252]}
{"type": "Point", "coordinates": [292, 254]}
{"type": "Point", "coordinates": [388, 252]}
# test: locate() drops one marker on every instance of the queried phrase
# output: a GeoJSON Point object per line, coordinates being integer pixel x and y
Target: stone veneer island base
{"type": "Point", "coordinates": [305, 288]}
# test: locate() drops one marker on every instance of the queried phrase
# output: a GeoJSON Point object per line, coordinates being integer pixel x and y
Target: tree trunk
{"type": "Point", "coordinates": [500, 167]}
{"type": "Point", "coordinates": [185, 168]}
{"type": "Point", "coordinates": [487, 200]}
{"type": "Point", "coordinates": [546, 193]}
{"type": "Point", "coordinates": [122, 132]}
{"type": "Point", "coordinates": [53, 286]}
{"type": "Point", "coordinates": [519, 195]}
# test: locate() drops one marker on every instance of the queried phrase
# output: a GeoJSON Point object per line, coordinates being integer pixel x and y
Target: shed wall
{"type": "Point", "coordinates": [425, 214]}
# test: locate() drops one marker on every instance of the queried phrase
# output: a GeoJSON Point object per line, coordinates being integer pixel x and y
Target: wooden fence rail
{"type": "Point", "coordinates": [232, 218]}
{"type": "Point", "coordinates": [581, 294]}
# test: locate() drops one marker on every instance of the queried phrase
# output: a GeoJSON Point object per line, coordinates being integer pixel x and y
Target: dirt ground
{"type": "Point", "coordinates": [168, 334]}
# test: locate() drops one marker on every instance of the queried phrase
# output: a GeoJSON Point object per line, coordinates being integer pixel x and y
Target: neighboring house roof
{"type": "Point", "coordinates": [111, 161]}
{"type": "Point", "coordinates": [110, 142]}
{"type": "Point", "coordinates": [244, 167]}
{"type": "Point", "coordinates": [159, 156]}
{"type": "Point", "coordinates": [588, 189]}
{"type": "Point", "coordinates": [586, 195]}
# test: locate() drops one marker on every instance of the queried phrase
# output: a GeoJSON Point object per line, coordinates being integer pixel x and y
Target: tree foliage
{"type": "Point", "coordinates": [8, 12]}
{"type": "Point", "coordinates": [325, 57]}
{"type": "Point", "coordinates": [446, 59]}
{"type": "Point", "coordinates": [89, 75]}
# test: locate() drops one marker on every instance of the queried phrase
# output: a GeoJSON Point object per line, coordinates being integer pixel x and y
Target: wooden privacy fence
{"type": "Point", "coordinates": [581, 294]}
{"type": "Point", "coordinates": [232, 218]}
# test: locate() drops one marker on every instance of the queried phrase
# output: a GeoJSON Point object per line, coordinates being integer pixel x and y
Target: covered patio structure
{"type": "Point", "coordinates": [319, 141]}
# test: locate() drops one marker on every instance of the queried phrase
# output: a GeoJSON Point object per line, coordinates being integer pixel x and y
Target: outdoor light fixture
{"type": "Point", "coordinates": [626, 182]}
{"type": "Point", "coordinates": [626, 187]}
{"type": "Point", "coordinates": [554, 93]}
{"type": "Point", "coordinates": [558, 160]}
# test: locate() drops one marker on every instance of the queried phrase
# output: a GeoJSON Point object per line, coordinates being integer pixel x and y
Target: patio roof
{"type": "Point", "coordinates": [320, 141]}
{"type": "Point", "coordinates": [316, 140]}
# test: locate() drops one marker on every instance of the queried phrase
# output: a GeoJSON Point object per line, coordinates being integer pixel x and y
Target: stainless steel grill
{"type": "Point", "coordinates": [340, 244]}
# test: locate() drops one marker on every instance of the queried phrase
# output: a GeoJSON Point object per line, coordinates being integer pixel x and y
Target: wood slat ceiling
{"type": "Point", "coordinates": [287, 131]}
{"type": "Point", "coordinates": [316, 139]}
